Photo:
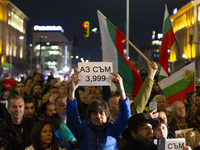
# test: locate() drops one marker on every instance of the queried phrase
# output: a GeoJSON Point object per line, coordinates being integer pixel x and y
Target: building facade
{"type": "Point", "coordinates": [51, 49]}
{"type": "Point", "coordinates": [12, 35]}
{"type": "Point", "coordinates": [186, 25]}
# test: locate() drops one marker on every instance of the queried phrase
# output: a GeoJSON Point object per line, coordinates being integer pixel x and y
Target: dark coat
{"type": "Point", "coordinates": [135, 145]}
{"type": "Point", "coordinates": [173, 125]}
{"type": "Point", "coordinates": [18, 141]}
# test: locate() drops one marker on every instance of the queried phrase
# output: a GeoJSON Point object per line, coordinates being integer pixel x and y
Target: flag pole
{"type": "Point", "coordinates": [131, 44]}
{"type": "Point", "coordinates": [138, 50]}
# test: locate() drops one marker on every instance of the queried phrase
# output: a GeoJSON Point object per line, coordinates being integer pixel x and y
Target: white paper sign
{"type": "Point", "coordinates": [182, 133]}
{"type": "Point", "coordinates": [173, 144]}
{"type": "Point", "coordinates": [95, 73]}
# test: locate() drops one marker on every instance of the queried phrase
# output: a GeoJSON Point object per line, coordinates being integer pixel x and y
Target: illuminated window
{"type": "Point", "coordinates": [17, 22]}
{"type": "Point", "coordinates": [1, 12]}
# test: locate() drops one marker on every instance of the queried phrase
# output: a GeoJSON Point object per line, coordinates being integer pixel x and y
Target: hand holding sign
{"type": "Point", "coordinates": [73, 85]}
{"type": "Point", "coordinates": [117, 80]}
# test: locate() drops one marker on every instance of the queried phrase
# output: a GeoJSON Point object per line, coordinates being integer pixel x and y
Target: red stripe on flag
{"type": "Point", "coordinates": [183, 94]}
{"type": "Point", "coordinates": [167, 41]}
{"type": "Point", "coordinates": [137, 80]}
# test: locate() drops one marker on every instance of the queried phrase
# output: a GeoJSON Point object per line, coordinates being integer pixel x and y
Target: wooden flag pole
{"type": "Point", "coordinates": [138, 50]}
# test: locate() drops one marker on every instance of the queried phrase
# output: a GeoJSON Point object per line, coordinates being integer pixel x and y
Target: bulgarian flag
{"type": "Point", "coordinates": [167, 41]}
{"type": "Point", "coordinates": [112, 51]}
{"type": "Point", "coordinates": [177, 86]}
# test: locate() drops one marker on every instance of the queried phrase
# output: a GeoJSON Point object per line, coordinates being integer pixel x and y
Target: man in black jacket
{"type": "Point", "coordinates": [15, 128]}
{"type": "Point", "coordinates": [140, 133]}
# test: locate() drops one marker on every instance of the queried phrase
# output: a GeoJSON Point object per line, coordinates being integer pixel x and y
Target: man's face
{"type": "Point", "coordinates": [54, 91]}
{"type": "Point", "coordinates": [161, 131]}
{"type": "Point", "coordinates": [144, 133]}
{"type": "Point", "coordinates": [45, 99]}
{"type": "Point", "coordinates": [37, 90]}
{"type": "Point", "coordinates": [20, 88]}
{"type": "Point", "coordinates": [98, 118]}
{"type": "Point", "coordinates": [51, 109]}
{"type": "Point", "coordinates": [92, 97]}
{"type": "Point", "coordinates": [61, 106]}
{"type": "Point", "coordinates": [161, 104]}
{"type": "Point", "coordinates": [84, 98]}
{"type": "Point", "coordinates": [29, 82]}
{"type": "Point", "coordinates": [29, 110]}
{"type": "Point", "coordinates": [179, 110]}
{"type": "Point", "coordinates": [197, 101]}
{"type": "Point", "coordinates": [37, 78]}
{"type": "Point", "coordinates": [91, 89]}
{"type": "Point", "coordinates": [114, 106]}
{"type": "Point", "coordinates": [63, 90]}
{"type": "Point", "coordinates": [16, 108]}
{"type": "Point", "coordinates": [130, 96]}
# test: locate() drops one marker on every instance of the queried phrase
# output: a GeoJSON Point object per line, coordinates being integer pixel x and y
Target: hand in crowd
{"type": "Point", "coordinates": [187, 148]}
{"type": "Point", "coordinates": [73, 85]}
{"type": "Point", "coordinates": [74, 143]}
{"type": "Point", "coordinates": [118, 81]}
{"type": "Point", "coordinates": [152, 69]}
{"type": "Point", "coordinates": [152, 114]}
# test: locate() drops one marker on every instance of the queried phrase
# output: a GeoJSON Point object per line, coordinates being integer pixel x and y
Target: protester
{"type": "Point", "coordinates": [113, 104]}
{"type": "Point", "coordinates": [98, 132]}
{"type": "Point", "coordinates": [180, 121]}
{"type": "Point", "coordinates": [21, 89]}
{"type": "Point", "coordinates": [193, 137]}
{"type": "Point", "coordinates": [63, 134]}
{"type": "Point", "coordinates": [15, 128]}
{"type": "Point", "coordinates": [163, 130]}
{"type": "Point", "coordinates": [42, 137]}
{"type": "Point", "coordinates": [140, 132]}
{"type": "Point", "coordinates": [143, 95]}
{"type": "Point", "coordinates": [30, 109]}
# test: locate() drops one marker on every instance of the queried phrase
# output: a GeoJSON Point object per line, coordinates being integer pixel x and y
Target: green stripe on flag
{"type": "Point", "coordinates": [167, 26]}
{"type": "Point", "coordinates": [111, 30]}
{"type": "Point", "coordinates": [177, 87]}
{"type": "Point", "coordinates": [125, 72]}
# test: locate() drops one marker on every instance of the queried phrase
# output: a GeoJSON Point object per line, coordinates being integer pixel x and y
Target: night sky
{"type": "Point", "coordinates": [145, 16]}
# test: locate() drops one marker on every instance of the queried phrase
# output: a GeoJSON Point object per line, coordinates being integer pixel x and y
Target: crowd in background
{"type": "Point", "coordinates": [37, 114]}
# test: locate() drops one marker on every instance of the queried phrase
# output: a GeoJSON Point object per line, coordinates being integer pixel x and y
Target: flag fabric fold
{"type": "Point", "coordinates": [112, 51]}
{"type": "Point", "coordinates": [167, 42]}
{"type": "Point", "coordinates": [177, 86]}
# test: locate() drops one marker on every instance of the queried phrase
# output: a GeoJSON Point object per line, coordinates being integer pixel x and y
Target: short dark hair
{"type": "Point", "coordinates": [29, 99]}
{"type": "Point", "coordinates": [54, 87]}
{"type": "Point", "coordinates": [37, 84]}
{"type": "Point", "coordinates": [95, 105]}
{"type": "Point", "coordinates": [197, 95]}
{"type": "Point", "coordinates": [14, 97]}
{"type": "Point", "coordinates": [20, 82]}
{"type": "Point", "coordinates": [36, 133]}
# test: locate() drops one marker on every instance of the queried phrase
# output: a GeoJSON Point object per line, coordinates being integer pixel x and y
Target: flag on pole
{"type": "Point", "coordinates": [177, 86]}
{"type": "Point", "coordinates": [167, 41]}
{"type": "Point", "coordinates": [112, 51]}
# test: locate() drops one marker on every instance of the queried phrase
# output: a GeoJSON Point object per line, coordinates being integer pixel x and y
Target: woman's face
{"type": "Point", "coordinates": [161, 131]}
{"type": "Point", "coordinates": [46, 135]}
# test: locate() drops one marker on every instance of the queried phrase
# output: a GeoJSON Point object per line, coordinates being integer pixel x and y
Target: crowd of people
{"type": "Point", "coordinates": [39, 115]}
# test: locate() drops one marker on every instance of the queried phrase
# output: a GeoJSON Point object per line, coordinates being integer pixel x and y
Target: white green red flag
{"type": "Point", "coordinates": [167, 42]}
{"type": "Point", "coordinates": [177, 86]}
{"type": "Point", "coordinates": [112, 51]}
